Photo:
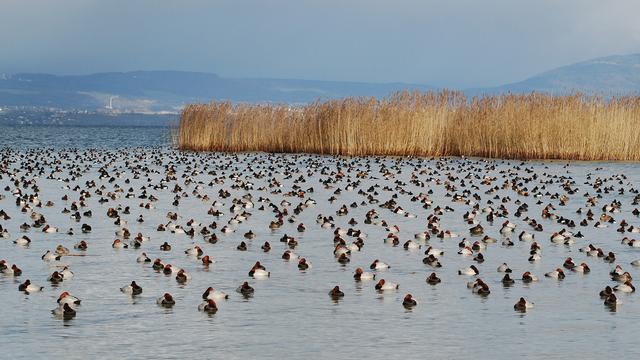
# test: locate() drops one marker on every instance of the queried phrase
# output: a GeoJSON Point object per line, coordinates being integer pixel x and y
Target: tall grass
{"type": "Point", "coordinates": [446, 123]}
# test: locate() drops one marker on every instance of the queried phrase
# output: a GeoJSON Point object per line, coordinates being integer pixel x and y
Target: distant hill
{"type": "Point", "coordinates": [611, 75]}
{"type": "Point", "coordinates": [169, 90]}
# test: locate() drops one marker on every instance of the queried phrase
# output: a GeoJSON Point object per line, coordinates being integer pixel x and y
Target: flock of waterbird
{"type": "Point", "coordinates": [491, 198]}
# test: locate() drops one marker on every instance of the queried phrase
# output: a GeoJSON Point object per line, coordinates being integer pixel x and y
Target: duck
{"type": "Point", "coordinates": [165, 247]}
{"type": "Point", "coordinates": [526, 236]}
{"type": "Point", "coordinates": [556, 274]}
{"type": "Point", "coordinates": [245, 289]}
{"type": "Point", "coordinates": [507, 280]}
{"type": "Point", "coordinates": [336, 293]}
{"type": "Point", "coordinates": [194, 251]}
{"type": "Point", "coordinates": [23, 241]}
{"type": "Point", "coordinates": [410, 245]}
{"type": "Point", "coordinates": [182, 277]}
{"type": "Point", "coordinates": [582, 268]}
{"type": "Point", "coordinates": [569, 264]}
{"type": "Point", "coordinates": [61, 250]}
{"type": "Point", "coordinates": [527, 277]}
{"type": "Point", "coordinates": [470, 271]}
{"type": "Point", "coordinates": [118, 244]}
{"type": "Point", "coordinates": [383, 285]}
{"type": "Point", "coordinates": [379, 265]}
{"type": "Point", "coordinates": [55, 277]}
{"type": "Point", "coordinates": [266, 247]}
{"type": "Point", "coordinates": [361, 275]}
{"type": "Point", "coordinates": [481, 288]}
{"type": "Point", "coordinates": [611, 300]}
{"type": "Point", "coordinates": [303, 265]}
{"type": "Point", "coordinates": [522, 305]}
{"type": "Point", "coordinates": [132, 289]}
{"type": "Point", "coordinates": [12, 271]}
{"type": "Point", "coordinates": [258, 271]}
{"type": "Point", "coordinates": [626, 287]}
{"type": "Point", "coordinates": [289, 255]}
{"type": "Point", "coordinates": [166, 300]}
{"type": "Point", "coordinates": [28, 287]}
{"type": "Point", "coordinates": [143, 258]}
{"type": "Point", "coordinates": [409, 301]}
{"type": "Point", "coordinates": [64, 311]}
{"type": "Point", "coordinates": [433, 279]}
{"type": "Point", "coordinates": [82, 245]}
{"type": "Point", "coordinates": [49, 229]}
{"type": "Point", "coordinates": [624, 277]}
{"type": "Point", "coordinates": [466, 251]}
{"type": "Point", "coordinates": [208, 306]}
{"type": "Point", "coordinates": [66, 273]}
{"type": "Point", "coordinates": [66, 298]}
{"type": "Point", "coordinates": [435, 252]}
{"type": "Point", "coordinates": [157, 265]}
{"type": "Point", "coordinates": [50, 256]}
{"type": "Point", "coordinates": [211, 293]}
{"type": "Point", "coordinates": [504, 268]}
{"type": "Point", "coordinates": [606, 292]}
{"type": "Point", "coordinates": [206, 260]}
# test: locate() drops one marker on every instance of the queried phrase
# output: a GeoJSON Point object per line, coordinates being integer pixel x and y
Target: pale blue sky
{"type": "Point", "coordinates": [454, 43]}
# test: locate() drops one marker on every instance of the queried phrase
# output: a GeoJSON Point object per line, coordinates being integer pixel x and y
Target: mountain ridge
{"type": "Point", "coordinates": [169, 90]}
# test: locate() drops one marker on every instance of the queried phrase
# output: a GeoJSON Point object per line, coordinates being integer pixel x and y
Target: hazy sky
{"type": "Point", "coordinates": [455, 43]}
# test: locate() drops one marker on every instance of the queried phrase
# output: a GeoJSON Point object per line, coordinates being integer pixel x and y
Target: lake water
{"type": "Point", "coordinates": [291, 314]}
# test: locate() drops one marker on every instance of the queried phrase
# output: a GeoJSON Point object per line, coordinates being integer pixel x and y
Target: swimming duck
{"type": "Point", "coordinates": [504, 268]}
{"type": "Point", "coordinates": [259, 271]}
{"type": "Point", "coordinates": [206, 260]}
{"type": "Point", "coordinates": [433, 279]}
{"type": "Point", "coordinates": [361, 275]}
{"type": "Point", "coordinates": [336, 293]}
{"type": "Point", "coordinates": [193, 251]}
{"type": "Point", "coordinates": [626, 287]}
{"type": "Point", "coordinates": [379, 265]}
{"type": "Point", "coordinates": [64, 311]}
{"type": "Point", "coordinates": [302, 264]}
{"type": "Point", "coordinates": [182, 277]}
{"type": "Point", "coordinates": [208, 306]}
{"type": "Point", "coordinates": [624, 277]}
{"type": "Point", "coordinates": [409, 301]}
{"type": "Point", "coordinates": [49, 256]}
{"type": "Point", "coordinates": [132, 289]}
{"type": "Point", "coordinates": [28, 287]}
{"type": "Point", "coordinates": [211, 293]}
{"type": "Point", "coordinates": [157, 265]}
{"type": "Point", "coordinates": [143, 258]}
{"type": "Point", "coordinates": [245, 289]}
{"type": "Point", "coordinates": [507, 280]}
{"type": "Point", "coordinates": [22, 241]}
{"type": "Point", "coordinates": [470, 271]}
{"type": "Point", "coordinates": [582, 268]}
{"type": "Point", "coordinates": [556, 274]}
{"type": "Point", "coordinates": [66, 298]}
{"type": "Point", "coordinates": [527, 277]}
{"type": "Point", "coordinates": [55, 277]}
{"type": "Point", "coordinates": [166, 300]}
{"type": "Point", "coordinates": [12, 271]}
{"type": "Point", "coordinates": [118, 244]}
{"type": "Point", "coordinates": [383, 285]}
{"type": "Point", "coordinates": [611, 300]}
{"type": "Point", "coordinates": [522, 305]}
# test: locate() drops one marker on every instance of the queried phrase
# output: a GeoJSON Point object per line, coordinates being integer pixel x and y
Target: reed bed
{"type": "Point", "coordinates": [445, 123]}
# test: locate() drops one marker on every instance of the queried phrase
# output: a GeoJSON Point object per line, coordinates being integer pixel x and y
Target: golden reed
{"type": "Point", "coordinates": [445, 123]}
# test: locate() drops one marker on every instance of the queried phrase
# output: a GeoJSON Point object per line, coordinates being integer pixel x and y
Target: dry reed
{"type": "Point", "coordinates": [446, 123]}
